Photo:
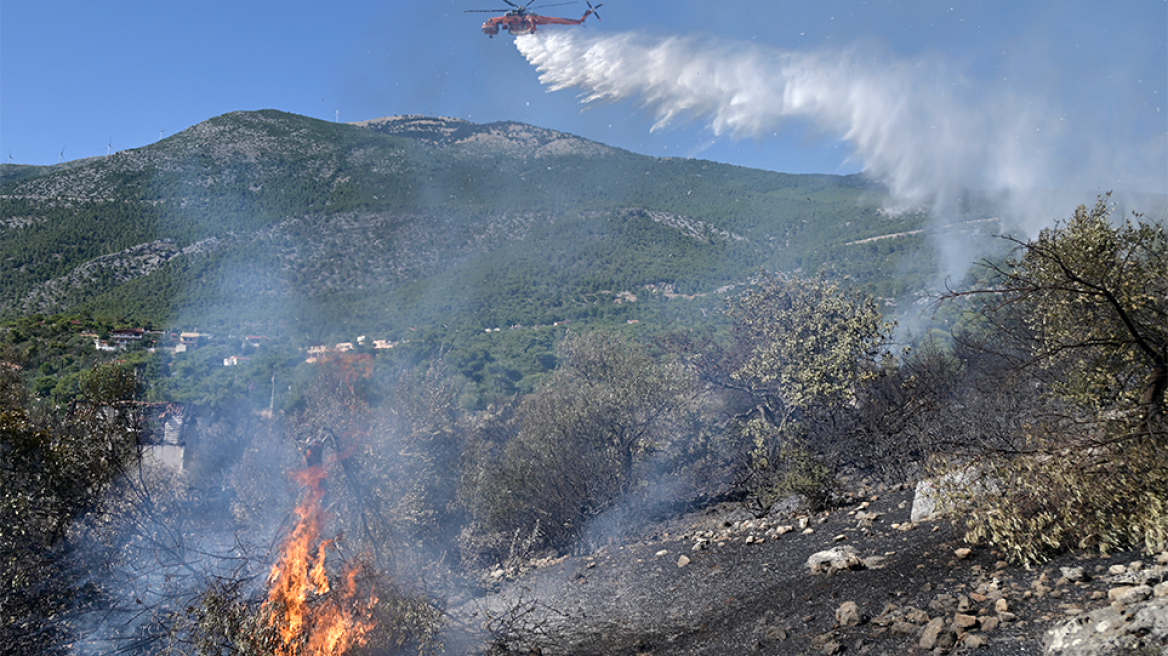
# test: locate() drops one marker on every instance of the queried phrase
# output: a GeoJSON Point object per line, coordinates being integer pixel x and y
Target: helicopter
{"type": "Point", "coordinates": [520, 20]}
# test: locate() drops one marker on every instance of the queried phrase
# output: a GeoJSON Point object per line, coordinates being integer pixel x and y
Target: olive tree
{"type": "Point", "coordinates": [1085, 304]}
{"type": "Point", "coordinates": [578, 441]}
{"type": "Point", "coordinates": [800, 344]}
{"type": "Point", "coordinates": [54, 468]}
{"type": "Point", "coordinates": [1093, 302]}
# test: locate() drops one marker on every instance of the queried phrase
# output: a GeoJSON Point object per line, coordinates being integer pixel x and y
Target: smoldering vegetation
{"type": "Point", "coordinates": [108, 548]}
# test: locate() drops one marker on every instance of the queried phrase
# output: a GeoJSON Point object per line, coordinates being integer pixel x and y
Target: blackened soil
{"type": "Point", "coordinates": [735, 597]}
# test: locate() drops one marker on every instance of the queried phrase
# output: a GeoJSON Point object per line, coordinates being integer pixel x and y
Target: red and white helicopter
{"type": "Point", "coordinates": [520, 20]}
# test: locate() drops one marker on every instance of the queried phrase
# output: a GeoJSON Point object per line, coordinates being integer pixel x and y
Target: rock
{"type": "Point", "coordinates": [1001, 606]}
{"type": "Point", "coordinates": [973, 641]}
{"type": "Point", "coordinates": [988, 624]}
{"type": "Point", "coordinates": [776, 633]}
{"type": "Point", "coordinates": [683, 560]}
{"type": "Point", "coordinates": [928, 492]}
{"type": "Point", "coordinates": [848, 614]}
{"type": "Point", "coordinates": [1129, 594]}
{"type": "Point", "coordinates": [834, 560]}
{"type": "Point", "coordinates": [903, 628]}
{"type": "Point", "coordinates": [1116, 570]}
{"type": "Point", "coordinates": [916, 616]}
{"type": "Point", "coordinates": [1142, 628]}
{"type": "Point", "coordinates": [934, 635]}
{"type": "Point", "coordinates": [1075, 574]}
{"type": "Point", "coordinates": [828, 643]}
{"type": "Point", "coordinates": [963, 621]}
{"type": "Point", "coordinates": [963, 553]}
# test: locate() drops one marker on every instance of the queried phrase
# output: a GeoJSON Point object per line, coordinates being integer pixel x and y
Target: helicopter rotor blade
{"type": "Point", "coordinates": [483, 11]}
{"type": "Point", "coordinates": [554, 4]}
{"type": "Point", "coordinates": [593, 9]}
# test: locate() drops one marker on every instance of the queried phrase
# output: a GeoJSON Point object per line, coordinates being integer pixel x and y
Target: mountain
{"type": "Point", "coordinates": [271, 222]}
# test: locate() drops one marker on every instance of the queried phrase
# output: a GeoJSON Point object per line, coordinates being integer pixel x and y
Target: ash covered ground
{"type": "Point", "coordinates": [719, 581]}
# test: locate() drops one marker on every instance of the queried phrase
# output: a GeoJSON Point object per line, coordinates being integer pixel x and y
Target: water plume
{"type": "Point", "coordinates": [919, 126]}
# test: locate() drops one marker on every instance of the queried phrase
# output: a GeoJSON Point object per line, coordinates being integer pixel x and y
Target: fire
{"type": "Point", "coordinates": [309, 615]}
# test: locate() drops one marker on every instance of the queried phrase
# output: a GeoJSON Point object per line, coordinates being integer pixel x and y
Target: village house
{"type": "Point", "coordinates": [316, 353]}
{"type": "Point", "coordinates": [127, 336]}
{"type": "Point", "coordinates": [192, 339]}
{"type": "Point", "coordinates": [118, 339]}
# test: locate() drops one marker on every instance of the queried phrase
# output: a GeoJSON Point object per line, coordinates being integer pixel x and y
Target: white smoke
{"type": "Point", "coordinates": [918, 126]}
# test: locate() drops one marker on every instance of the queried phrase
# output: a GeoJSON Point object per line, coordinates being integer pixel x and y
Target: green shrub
{"type": "Point", "coordinates": [1103, 497]}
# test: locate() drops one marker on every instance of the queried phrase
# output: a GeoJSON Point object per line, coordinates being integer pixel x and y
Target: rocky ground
{"type": "Point", "coordinates": [861, 579]}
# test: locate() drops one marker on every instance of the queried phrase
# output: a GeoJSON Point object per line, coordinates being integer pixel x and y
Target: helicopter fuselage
{"type": "Point", "coordinates": [522, 21]}
{"type": "Point", "coordinates": [516, 25]}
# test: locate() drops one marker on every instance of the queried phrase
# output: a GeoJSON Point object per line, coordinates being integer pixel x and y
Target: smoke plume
{"type": "Point", "coordinates": [918, 126]}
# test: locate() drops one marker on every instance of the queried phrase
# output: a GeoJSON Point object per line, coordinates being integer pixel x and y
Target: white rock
{"type": "Point", "coordinates": [834, 560]}
{"type": "Point", "coordinates": [1129, 594]}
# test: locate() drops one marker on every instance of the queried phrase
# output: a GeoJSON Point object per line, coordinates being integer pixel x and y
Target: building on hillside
{"type": "Point", "coordinates": [192, 339]}
{"type": "Point", "coordinates": [235, 360]}
{"type": "Point", "coordinates": [168, 431]}
{"type": "Point", "coordinates": [316, 353]}
{"type": "Point", "coordinates": [127, 336]}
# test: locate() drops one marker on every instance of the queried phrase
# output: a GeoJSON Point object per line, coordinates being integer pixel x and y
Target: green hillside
{"type": "Point", "coordinates": [434, 232]}
{"type": "Point", "coordinates": [258, 218]}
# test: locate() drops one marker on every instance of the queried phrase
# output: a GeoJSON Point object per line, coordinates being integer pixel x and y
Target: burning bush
{"type": "Point", "coordinates": [314, 606]}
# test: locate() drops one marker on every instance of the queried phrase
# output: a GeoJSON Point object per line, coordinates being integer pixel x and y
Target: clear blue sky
{"type": "Point", "coordinates": [78, 75]}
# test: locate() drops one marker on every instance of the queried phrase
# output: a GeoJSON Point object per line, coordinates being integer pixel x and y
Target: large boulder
{"type": "Point", "coordinates": [1112, 631]}
{"type": "Point", "coordinates": [929, 492]}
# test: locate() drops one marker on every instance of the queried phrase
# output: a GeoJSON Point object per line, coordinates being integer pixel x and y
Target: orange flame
{"type": "Point", "coordinates": [311, 618]}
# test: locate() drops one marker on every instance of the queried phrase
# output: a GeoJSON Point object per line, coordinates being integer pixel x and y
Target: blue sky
{"type": "Point", "coordinates": [78, 76]}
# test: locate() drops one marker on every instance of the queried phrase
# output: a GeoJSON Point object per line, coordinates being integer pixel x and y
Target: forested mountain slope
{"type": "Point", "coordinates": [271, 221]}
